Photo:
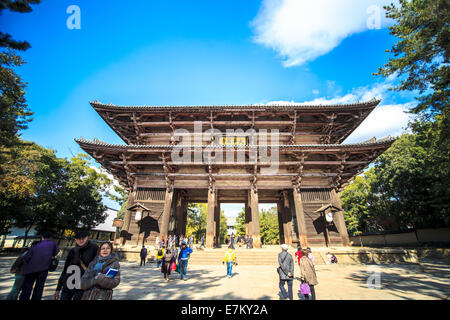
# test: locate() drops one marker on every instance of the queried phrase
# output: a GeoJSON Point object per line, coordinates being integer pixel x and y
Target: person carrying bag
{"type": "Point", "coordinates": [307, 276]}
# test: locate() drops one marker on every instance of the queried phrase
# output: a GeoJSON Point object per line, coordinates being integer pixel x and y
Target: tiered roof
{"type": "Point", "coordinates": [329, 161]}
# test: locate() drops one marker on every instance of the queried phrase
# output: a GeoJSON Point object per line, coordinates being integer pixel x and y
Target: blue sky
{"type": "Point", "coordinates": [200, 52]}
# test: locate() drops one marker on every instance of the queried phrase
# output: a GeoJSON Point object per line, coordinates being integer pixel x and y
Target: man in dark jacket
{"type": "Point", "coordinates": [286, 271]}
{"type": "Point", "coordinates": [37, 261]}
{"type": "Point", "coordinates": [143, 255]}
{"type": "Point", "coordinates": [81, 255]}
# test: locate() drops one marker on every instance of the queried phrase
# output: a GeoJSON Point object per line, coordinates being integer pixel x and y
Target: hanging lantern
{"type": "Point", "coordinates": [118, 223]}
{"type": "Point", "coordinates": [329, 217]}
{"type": "Point", "coordinates": [138, 215]}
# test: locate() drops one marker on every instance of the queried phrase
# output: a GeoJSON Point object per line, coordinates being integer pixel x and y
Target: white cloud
{"type": "Point", "coordinates": [302, 30]}
{"type": "Point", "coordinates": [385, 120]}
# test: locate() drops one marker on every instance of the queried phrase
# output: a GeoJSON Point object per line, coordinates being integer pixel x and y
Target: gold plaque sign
{"type": "Point", "coordinates": [233, 141]}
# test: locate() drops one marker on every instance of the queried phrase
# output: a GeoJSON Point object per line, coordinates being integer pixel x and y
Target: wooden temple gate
{"type": "Point", "coordinates": [169, 161]}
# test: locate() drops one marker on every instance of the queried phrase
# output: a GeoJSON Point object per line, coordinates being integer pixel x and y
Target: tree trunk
{"type": "Point", "coordinates": [3, 241]}
{"type": "Point", "coordinates": [60, 237]}
{"type": "Point", "coordinates": [26, 236]}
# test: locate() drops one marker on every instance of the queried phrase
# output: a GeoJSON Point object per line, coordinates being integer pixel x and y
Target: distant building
{"type": "Point", "coordinates": [104, 231]}
{"type": "Point", "coordinates": [231, 225]}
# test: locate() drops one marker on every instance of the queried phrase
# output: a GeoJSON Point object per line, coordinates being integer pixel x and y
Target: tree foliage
{"type": "Point", "coordinates": [269, 231]}
{"type": "Point", "coordinates": [196, 220]}
{"type": "Point", "coordinates": [268, 224]}
{"type": "Point", "coordinates": [38, 189]}
{"type": "Point", "coordinates": [21, 6]}
{"type": "Point", "coordinates": [421, 56]}
{"type": "Point", "coordinates": [14, 111]}
{"type": "Point", "coordinates": [409, 186]}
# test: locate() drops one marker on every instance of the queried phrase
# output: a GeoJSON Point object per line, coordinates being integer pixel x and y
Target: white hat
{"type": "Point", "coordinates": [284, 246]}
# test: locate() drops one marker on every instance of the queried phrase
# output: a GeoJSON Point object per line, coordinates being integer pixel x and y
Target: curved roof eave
{"type": "Point", "coordinates": [357, 105]}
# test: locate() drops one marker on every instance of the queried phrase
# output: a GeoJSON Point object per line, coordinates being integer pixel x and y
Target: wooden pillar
{"type": "Point", "coordinates": [217, 222]}
{"type": "Point", "coordinates": [248, 218]}
{"type": "Point", "coordinates": [127, 218]}
{"type": "Point", "coordinates": [280, 213]}
{"type": "Point", "coordinates": [287, 219]}
{"type": "Point", "coordinates": [184, 211]}
{"type": "Point", "coordinates": [300, 214]}
{"type": "Point", "coordinates": [255, 218]}
{"type": "Point", "coordinates": [210, 219]}
{"type": "Point", "coordinates": [179, 222]}
{"type": "Point", "coordinates": [164, 232]}
{"type": "Point", "coordinates": [339, 217]}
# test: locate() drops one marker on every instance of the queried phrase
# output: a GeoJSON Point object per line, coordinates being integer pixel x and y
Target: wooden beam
{"type": "Point", "coordinates": [232, 123]}
{"type": "Point", "coordinates": [280, 163]}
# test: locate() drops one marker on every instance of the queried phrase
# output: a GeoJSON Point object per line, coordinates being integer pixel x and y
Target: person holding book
{"type": "Point", "coordinates": [102, 274]}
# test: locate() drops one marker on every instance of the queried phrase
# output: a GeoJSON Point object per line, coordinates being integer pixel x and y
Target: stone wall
{"type": "Point", "coordinates": [439, 236]}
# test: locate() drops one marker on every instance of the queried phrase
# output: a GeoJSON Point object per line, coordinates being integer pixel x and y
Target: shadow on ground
{"type": "Point", "coordinates": [404, 280]}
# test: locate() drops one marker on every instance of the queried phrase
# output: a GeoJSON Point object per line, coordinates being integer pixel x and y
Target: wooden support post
{"type": "Point", "coordinates": [164, 232]}
{"type": "Point", "coordinates": [210, 219]}
{"type": "Point", "coordinates": [248, 218]}
{"type": "Point", "coordinates": [300, 214]}
{"type": "Point", "coordinates": [179, 222]}
{"type": "Point", "coordinates": [249, 212]}
{"type": "Point", "coordinates": [287, 219]}
{"type": "Point", "coordinates": [255, 218]}
{"type": "Point", "coordinates": [339, 218]}
{"type": "Point", "coordinates": [280, 213]}
{"type": "Point", "coordinates": [127, 219]}
{"type": "Point", "coordinates": [217, 223]}
{"type": "Point", "coordinates": [184, 212]}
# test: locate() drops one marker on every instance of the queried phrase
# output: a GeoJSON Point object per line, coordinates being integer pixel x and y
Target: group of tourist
{"type": "Point", "coordinates": [308, 278]}
{"type": "Point", "coordinates": [232, 240]}
{"type": "Point", "coordinates": [99, 268]}
{"type": "Point", "coordinates": [175, 241]}
{"type": "Point", "coordinates": [90, 272]}
{"type": "Point", "coordinates": [170, 258]}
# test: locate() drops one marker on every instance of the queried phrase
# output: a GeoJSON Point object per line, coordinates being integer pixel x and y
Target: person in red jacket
{"type": "Point", "coordinates": [298, 254]}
